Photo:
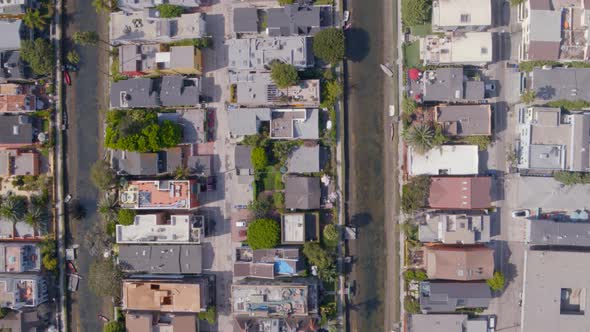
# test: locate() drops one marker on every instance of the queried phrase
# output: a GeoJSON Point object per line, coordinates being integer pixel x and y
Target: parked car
{"type": "Point", "coordinates": [240, 223]}
{"type": "Point", "coordinates": [492, 323]}
{"type": "Point", "coordinates": [522, 213]}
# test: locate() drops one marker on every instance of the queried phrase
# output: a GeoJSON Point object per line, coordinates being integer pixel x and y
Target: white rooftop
{"type": "Point", "coordinates": [444, 160]}
{"type": "Point", "coordinates": [469, 48]}
{"type": "Point", "coordinates": [157, 228]}
{"type": "Point", "coordinates": [461, 13]}
{"type": "Point", "coordinates": [293, 227]}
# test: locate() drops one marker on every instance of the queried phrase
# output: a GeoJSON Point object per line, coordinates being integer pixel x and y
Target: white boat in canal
{"type": "Point", "coordinates": [388, 71]}
{"type": "Point", "coordinates": [391, 110]}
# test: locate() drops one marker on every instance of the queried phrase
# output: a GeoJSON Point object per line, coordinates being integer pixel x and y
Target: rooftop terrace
{"type": "Point", "coordinates": [271, 299]}
{"type": "Point", "coordinates": [160, 195]}
{"type": "Point", "coordinates": [158, 228]}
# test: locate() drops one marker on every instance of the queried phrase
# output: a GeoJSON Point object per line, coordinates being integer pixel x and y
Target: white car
{"type": "Point", "coordinates": [492, 323]}
{"type": "Point", "coordinates": [522, 213]}
{"type": "Point", "coordinates": [346, 16]}
{"type": "Point", "coordinates": [240, 223]}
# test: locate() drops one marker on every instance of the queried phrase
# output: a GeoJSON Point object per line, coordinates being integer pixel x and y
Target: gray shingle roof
{"type": "Point", "coordinates": [303, 193]}
{"type": "Point", "coordinates": [293, 20]}
{"type": "Point", "coordinates": [246, 121]}
{"type": "Point", "coordinates": [167, 259]}
{"type": "Point", "coordinates": [242, 156]}
{"type": "Point", "coordinates": [245, 20]}
{"type": "Point", "coordinates": [11, 67]}
{"type": "Point", "coordinates": [465, 120]}
{"type": "Point", "coordinates": [554, 233]}
{"type": "Point", "coordinates": [139, 92]}
{"type": "Point", "coordinates": [447, 85]}
{"type": "Point", "coordinates": [562, 83]}
{"type": "Point", "coordinates": [179, 91]}
{"type": "Point", "coordinates": [449, 296]}
{"type": "Point", "coordinates": [304, 159]}
{"type": "Point", "coordinates": [135, 163]}
{"type": "Point", "coordinates": [16, 129]}
{"type": "Point", "coordinates": [10, 30]}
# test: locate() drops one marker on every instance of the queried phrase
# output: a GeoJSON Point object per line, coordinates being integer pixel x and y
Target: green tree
{"type": "Point", "coordinates": [167, 10]}
{"type": "Point", "coordinates": [415, 193]}
{"type": "Point", "coordinates": [497, 282]}
{"type": "Point", "coordinates": [285, 2]}
{"type": "Point", "coordinates": [281, 150]}
{"type": "Point", "coordinates": [259, 158]}
{"type": "Point", "coordinates": [39, 55]}
{"type": "Point", "coordinates": [260, 140]}
{"type": "Point", "coordinates": [48, 248]}
{"type": "Point", "coordinates": [420, 137]}
{"type": "Point", "coordinates": [34, 216]}
{"type": "Point", "coordinates": [328, 45]}
{"type": "Point", "coordinates": [283, 74]}
{"type": "Point", "coordinates": [316, 255]}
{"type": "Point", "coordinates": [411, 305]}
{"type": "Point", "coordinates": [102, 175]}
{"type": "Point", "coordinates": [264, 234]}
{"type": "Point", "coordinates": [104, 6]}
{"type": "Point", "coordinates": [481, 141]}
{"type": "Point", "coordinates": [73, 57]}
{"type": "Point", "coordinates": [331, 91]}
{"type": "Point", "coordinates": [34, 19]}
{"type": "Point", "coordinates": [85, 38]}
{"type": "Point", "coordinates": [331, 236]}
{"type": "Point", "coordinates": [126, 216]}
{"type": "Point", "coordinates": [409, 105]}
{"type": "Point", "coordinates": [571, 178]}
{"type": "Point", "coordinates": [415, 12]}
{"type": "Point", "coordinates": [528, 96]}
{"type": "Point", "coordinates": [104, 278]}
{"type": "Point", "coordinates": [13, 208]}
{"type": "Point", "coordinates": [328, 310]}
{"type": "Point", "coordinates": [260, 207]}
{"type": "Point", "coordinates": [210, 315]}
{"type": "Point", "coordinates": [108, 208]}
{"type": "Point", "coordinates": [114, 326]}
{"type": "Point", "coordinates": [415, 275]}
{"type": "Point", "coordinates": [4, 311]}
{"type": "Point", "coordinates": [182, 173]}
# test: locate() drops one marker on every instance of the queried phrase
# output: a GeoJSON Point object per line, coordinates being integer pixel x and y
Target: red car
{"type": "Point", "coordinates": [67, 77]}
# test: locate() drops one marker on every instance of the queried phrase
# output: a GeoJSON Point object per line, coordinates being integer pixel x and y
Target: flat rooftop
{"type": "Point", "coordinates": [258, 53]}
{"type": "Point", "coordinates": [270, 300]}
{"type": "Point", "coordinates": [19, 257]}
{"type": "Point", "coordinates": [158, 228]}
{"type": "Point", "coordinates": [258, 90]}
{"type": "Point", "coordinates": [164, 194]}
{"type": "Point", "coordinates": [294, 123]}
{"type": "Point", "coordinates": [165, 296]}
{"type": "Point", "coordinates": [556, 290]}
{"type": "Point", "coordinates": [444, 160]}
{"type": "Point", "coordinates": [293, 227]}
{"type": "Point", "coordinates": [468, 48]}
{"type": "Point", "coordinates": [461, 13]}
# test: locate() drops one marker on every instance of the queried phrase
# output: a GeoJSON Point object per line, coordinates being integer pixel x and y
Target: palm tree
{"type": "Point", "coordinates": [34, 216]}
{"type": "Point", "coordinates": [420, 137]}
{"type": "Point", "coordinates": [34, 19]}
{"type": "Point", "coordinates": [12, 208]}
{"type": "Point", "coordinates": [182, 173]}
{"type": "Point", "coordinates": [107, 207]}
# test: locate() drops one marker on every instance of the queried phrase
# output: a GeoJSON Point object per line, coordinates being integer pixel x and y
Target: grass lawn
{"type": "Point", "coordinates": [421, 30]}
{"type": "Point", "coordinates": [272, 179]}
{"type": "Point", "coordinates": [411, 54]}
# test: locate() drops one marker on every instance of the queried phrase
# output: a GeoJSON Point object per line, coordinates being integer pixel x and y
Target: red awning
{"type": "Point", "coordinates": [414, 74]}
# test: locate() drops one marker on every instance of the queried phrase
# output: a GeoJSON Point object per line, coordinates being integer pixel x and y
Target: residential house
{"type": "Point", "coordinates": [459, 263]}
{"type": "Point", "coordinates": [22, 320]}
{"type": "Point", "coordinates": [255, 89]}
{"type": "Point", "coordinates": [174, 295]}
{"type": "Point", "coordinates": [302, 193]}
{"type": "Point", "coordinates": [138, 321]}
{"type": "Point", "coordinates": [140, 5]}
{"type": "Point", "coordinates": [444, 160]}
{"type": "Point", "coordinates": [240, 218]}
{"type": "Point", "coordinates": [556, 292]}
{"type": "Point", "coordinates": [259, 53]}
{"type": "Point", "coordinates": [160, 195]}
{"type": "Point", "coordinates": [448, 85]}
{"type": "Point", "coordinates": [267, 263]}
{"type": "Point", "coordinates": [304, 159]}
{"type": "Point", "coordinates": [12, 32]}
{"type": "Point", "coordinates": [267, 298]}
{"type": "Point", "coordinates": [469, 48]}
{"type": "Point", "coordinates": [547, 232]}
{"type": "Point", "coordinates": [298, 228]}
{"type": "Point", "coordinates": [257, 324]}
{"type": "Point", "coordinates": [283, 123]}
{"type": "Point", "coordinates": [22, 290]}
{"type": "Point", "coordinates": [20, 231]}
{"type": "Point", "coordinates": [147, 163]}
{"type": "Point", "coordinates": [16, 98]}
{"type": "Point", "coordinates": [246, 20]}
{"type": "Point", "coordinates": [147, 27]}
{"type": "Point", "coordinates": [243, 163]}
{"type": "Point", "coordinates": [461, 15]}
{"type": "Point", "coordinates": [447, 323]}
{"type": "Point", "coordinates": [143, 59]}
{"type": "Point", "coordinates": [19, 257]}
{"type": "Point", "coordinates": [14, 7]}
{"type": "Point", "coordinates": [464, 120]}
{"type": "Point", "coordinates": [561, 84]}
{"type": "Point", "coordinates": [18, 162]}
{"type": "Point", "coordinates": [158, 228]}
{"type": "Point", "coordinates": [193, 123]}
{"type": "Point", "coordinates": [16, 131]}
{"type": "Point", "coordinates": [11, 66]}
{"type": "Point", "coordinates": [554, 30]}
{"type": "Point", "coordinates": [463, 193]}
{"type": "Point", "coordinates": [553, 141]}
{"type": "Point", "coordinates": [169, 91]}
{"type": "Point", "coordinates": [446, 297]}
{"type": "Point", "coordinates": [160, 259]}
{"type": "Point", "coordinates": [455, 228]}
{"type": "Point", "coordinates": [293, 20]}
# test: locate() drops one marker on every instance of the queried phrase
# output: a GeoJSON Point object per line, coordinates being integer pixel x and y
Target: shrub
{"type": "Point", "coordinates": [259, 158]}
{"type": "Point", "coordinates": [415, 275]}
{"type": "Point", "coordinates": [140, 130]}
{"type": "Point", "coordinates": [569, 105]}
{"type": "Point", "coordinates": [411, 305]}
{"type": "Point", "coordinates": [4, 311]}
{"type": "Point", "coordinates": [316, 255]}
{"type": "Point", "coordinates": [114, 326]}
{"type": "Point", "coordinates": [415, 193]}
{"type": "Point", "coordinates": [167, 10]}
{"type": "Point", "coordinates": [482, 142]}
{"type": "Point", "coordinates": [210, 315]}
{"type": "Point", "coordinates": [260, 207]}
{"type": "Point", "coordinates": [497, 282]}
{"type": "Point", "coordinates": [126, 216]}
{"type": "Point", "coordinates": [85, 38]}
{"type": "Point", "coordinates": [328, 45]}
{"type": "Point", "coordinates": [39, 55]}
{"type": "Point", "coordinates": [331, 235]}
{"type": "Point", "coordinates": [415, 12]}
{"type": "Point", "coordinates": [408, 105]}
{"type": "Point", "coordinates": [528, 66]}
{"type": "Point", "coordinates": [278, 199]}
{"type": "Point", "coordinates": [331, 91]}
{"type": "Point", "coordinates": [283, 74]}
{"type": "Point", "coordinates": [571, 178]}
{"type": "Point", "coordinates": [285, 2]}
{"type": "Point", "coordinates": [528, 96]}
{"type": "Point", "coordinates": [264, 234]}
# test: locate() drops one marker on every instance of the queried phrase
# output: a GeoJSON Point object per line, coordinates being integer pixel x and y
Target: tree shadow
{"type": "Point", "coordinates": [361, 219]}
{"type": "Point", "coordinates": [357, 44]}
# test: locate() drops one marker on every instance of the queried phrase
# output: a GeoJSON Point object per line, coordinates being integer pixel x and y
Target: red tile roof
{"type": "Point", "coordinates": [460, 192]}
